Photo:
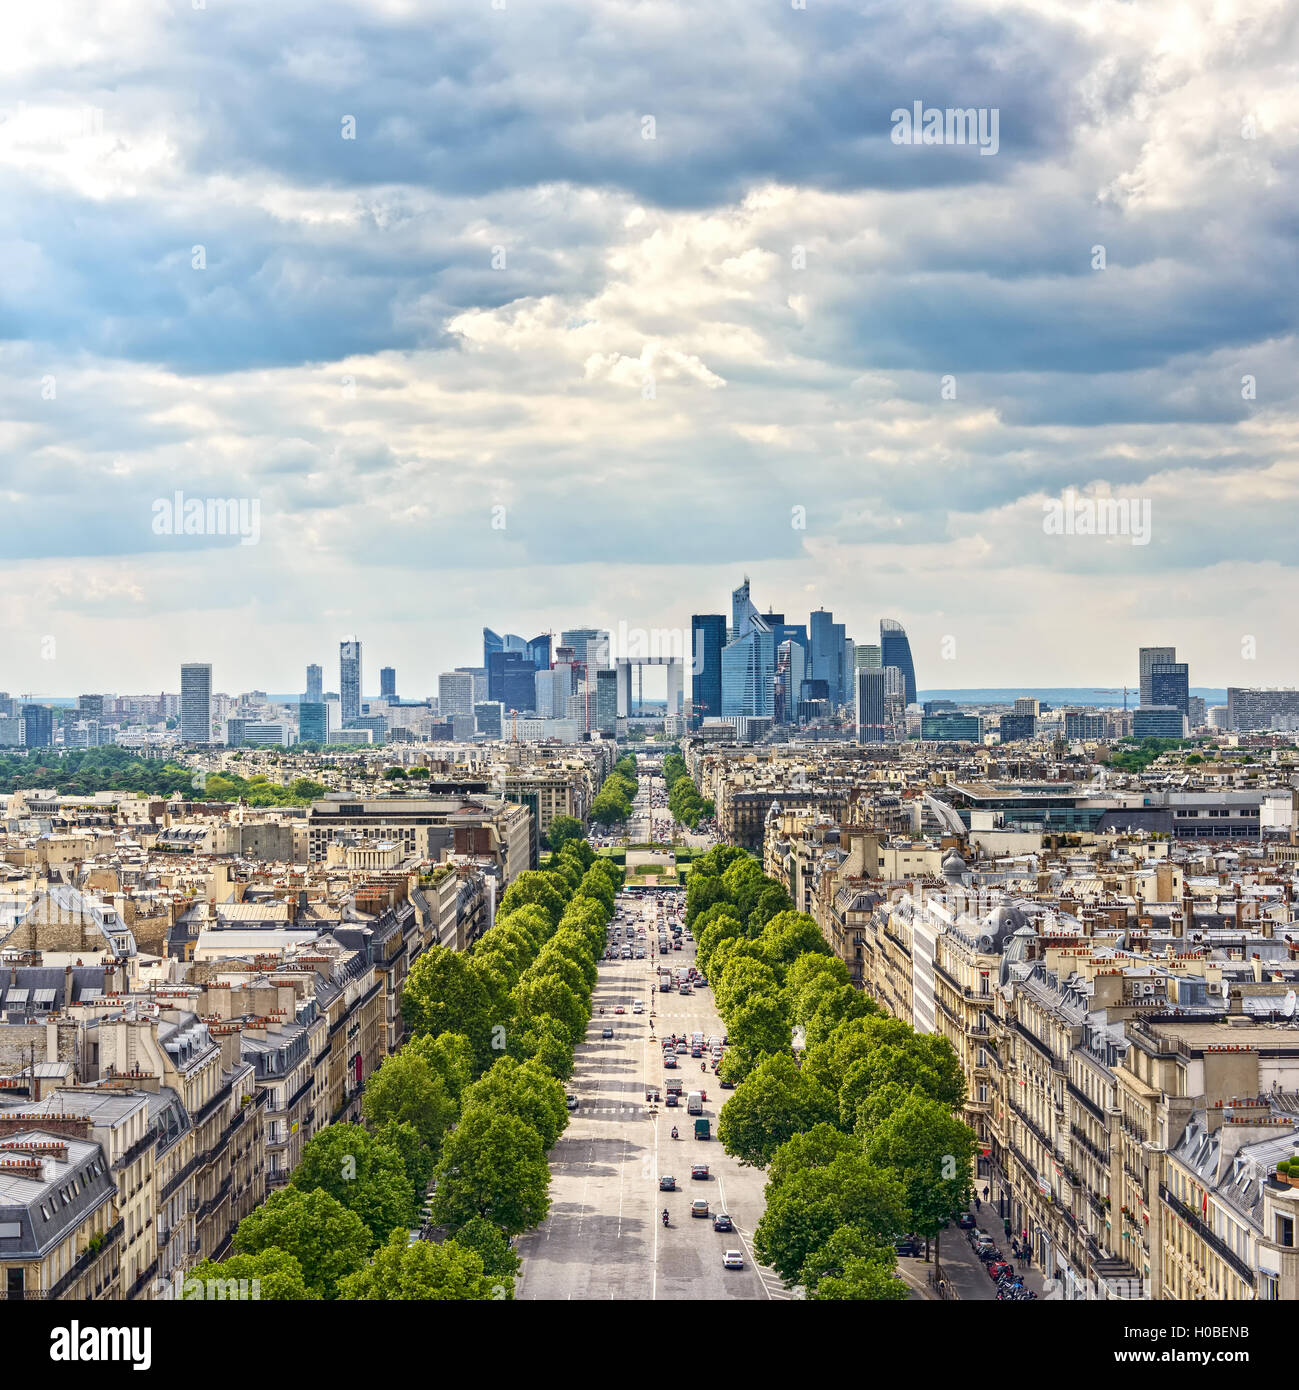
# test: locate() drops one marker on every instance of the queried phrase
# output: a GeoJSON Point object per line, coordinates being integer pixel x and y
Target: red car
{"type": "Point", "coordinates": [996, 1268]}
{"type": "Point", "coordinates": [620, 1010]}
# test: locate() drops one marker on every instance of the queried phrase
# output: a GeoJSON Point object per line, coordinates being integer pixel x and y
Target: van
{"type": "Point", "coordinates": [694, 1103]}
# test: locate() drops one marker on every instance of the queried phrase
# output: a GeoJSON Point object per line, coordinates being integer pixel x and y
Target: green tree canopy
{"type": "Point", "coordinates": [493, 1165]}
{"type": "Point", "coordinates": [773, 1103]}
{"type": "Point", "coordinates": [328, 1241]}
{"type": "Point", "coordinates": [360, 1173]}
{"type": "Point", "coordinates": [272, 1274]}
{"type": "Point", "coordinates": [445, 1273]}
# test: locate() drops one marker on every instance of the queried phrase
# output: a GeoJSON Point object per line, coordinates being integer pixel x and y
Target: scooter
{"type": "Point", "coordinates": [666, 1222]}
{"type": "Point", "coordinates": [675, 1135]}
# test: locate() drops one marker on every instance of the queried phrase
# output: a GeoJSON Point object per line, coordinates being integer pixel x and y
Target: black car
{"type": "Point", "coordinates": [606, 1032]}
{"type": "Point", "coordinates": [722, 1222]}
{"type": "Point", "coordinates": [725, 1084]}
{"type": "Point", "coordinates": [908, 1245]}
{"type": "Point", "coordinates": [966, 1221]}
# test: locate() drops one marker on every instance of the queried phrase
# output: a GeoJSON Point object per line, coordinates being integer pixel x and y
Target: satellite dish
{"type": "Point", "coordinates": [1288, 1007]}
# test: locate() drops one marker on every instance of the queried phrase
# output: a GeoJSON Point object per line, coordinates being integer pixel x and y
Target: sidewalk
{"type": "Point", "coordinates": [962, 1268]}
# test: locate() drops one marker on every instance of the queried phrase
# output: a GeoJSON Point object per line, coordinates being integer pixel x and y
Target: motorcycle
{"type": "Point", "coordinates": [675, 1135]}
{"type": "Point", "coordinates": [666, 1222]}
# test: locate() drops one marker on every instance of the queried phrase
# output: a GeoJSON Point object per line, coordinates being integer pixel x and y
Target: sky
{"type": "Point", "coordinates": [413, 282]}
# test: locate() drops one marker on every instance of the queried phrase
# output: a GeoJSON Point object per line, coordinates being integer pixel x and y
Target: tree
{"type": "Point", "coordinates": [493, 1165]}
{"type": "Point", "coordinates": [562, 829]}
{"type": "Point", "coordinates": [445, 994]}
{"type": "Point", "coordinates": [524, 1089]}
{"type": "Point", "coordinates": [773, 1103]}
{"type": "Point", "coordinates": [758, 1027]}
{"type": "Point", "coordinates": [815, 1148]}
{"type": "Point", "coordinates": [362, 1174]}
{"type": "Point", "coordinates": [547, 994]}
{"type": "Point", "coordinates": [849, 1266]}
{"type": "Point", "coordinates": [424, 1271]}
{"type": "Point", "coordinates": [740, 980]}
{"type": "Point", "coordinates": [791, 935]}
{"type": "Point", "coordinates": [487, 1242]}
{"type": "Point", "coordinates": [805, 1210]}
{"type": "Point", "coordinates": [417, 1157]}
{"type": "Point", "coordinates": [537, 888]}
{"type": "Point", "coordinates": [932, 1156]}
{"type": "Point", "coordinates": [271, 1275]}
{"type": "Point", "coordinates": [406, 1088]}
{"type": "Point", "coordinates": [328, 1241]}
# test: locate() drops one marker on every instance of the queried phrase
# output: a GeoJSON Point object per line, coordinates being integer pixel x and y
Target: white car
{"type": "Point", "coordinates": [637, 1007]}
{"type": "Point", "coordinates": [733, 1259]}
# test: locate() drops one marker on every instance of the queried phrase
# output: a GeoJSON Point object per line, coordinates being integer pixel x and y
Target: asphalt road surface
{"type": "Point", "coordinates": [604, 1237]}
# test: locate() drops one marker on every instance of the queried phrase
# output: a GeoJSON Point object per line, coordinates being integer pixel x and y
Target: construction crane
{"type": "Point", "coordinates": [514, 726]}
{"type": "Point", "coordinates": [1117, 690]}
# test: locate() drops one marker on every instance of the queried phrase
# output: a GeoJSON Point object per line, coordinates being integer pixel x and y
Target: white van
{"type": "Point", "coordinates": [694, 1103]}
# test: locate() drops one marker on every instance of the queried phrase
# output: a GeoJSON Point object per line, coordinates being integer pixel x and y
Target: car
{"type": "Point", "coordinates": [638, 1007]}
{"type": "Point", "coordinates": [620, 1010]}
{"type": "Point", "coordinates": [696, 1051]}
{"type": "Point", "coordinates": [699, 1207]}
{"type": "Point", "coordinates": [966, 1221]}
{"type": "Point", "coordinates": [996, 1268]}
{"type": "Point", "coordinates": [673, 1098]}
{"type": "Point", "coordinates": [606, 1032]}
{"type": "Point", "coordinates": [725, 1084]}
{"type": "Point", "coordinates": [670, 1060]}
{"type": "Point", "coordinates": [722, 1222]}
{"type": "Point", "coordinates": [682, 1049]}
{"type": "Point", "coordinates": [667, 1184]}
{"type": "Point", "coordinates": [733, 1259]}
{"type": "Point", "coordinates": [699, 1170]}
{"type": "Point", "coordinates": [571, 1102]}
{"type": "Point", "coordinates": [907, 1245]}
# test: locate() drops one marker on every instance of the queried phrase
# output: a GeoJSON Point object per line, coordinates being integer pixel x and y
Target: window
{"type": "Point", "coordinates": [1269, 1287]}
{"type": "Point", "coordinates": [1285, 1231]}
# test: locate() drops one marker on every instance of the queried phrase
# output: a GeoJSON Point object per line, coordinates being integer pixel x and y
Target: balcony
{"type": "Point", "coordinates": [1214, 1242]}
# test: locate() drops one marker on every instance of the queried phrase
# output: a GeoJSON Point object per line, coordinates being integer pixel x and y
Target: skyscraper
{"type": "Point", "coordinates": [895, 650]}
{"type": "Point", "coordinates": [749, 672]}
{"type": "Point", "coordinates": [826, 653]}
{"type": "Point", "coordinates": [196, 703]}
{"type": "Point", "coordinates": [1150, 657]}
{"type": "Point", "coordinates": [1170, 685]}
{"type": "Point", "coordinates": [537, 651]}
{"type": "Point", "coordinates": [315, 685]}
{"type": "Point", "coordinates": [591, 649]}
{"type": "Point", "coordinates": [313, 726]}
{"type": "Point", "coordinates": [866, 657]}
{"type": "Point", "coordinates": [38, 726]}
{"type": "Point", "coordinates": [512, 679]}
{"type": "Point", "coordinates": [707, 637]}
{"type": "Point", "coordinates": [388, 681]}
{"type": "Point", "coordinates": [90, 706]}
{"type": "Point", "coordinates": [606, 702]}
{"type": "Point", "coordinates": [349, 677]}
{"type": "Point", "coordinates": [744, 614]}
{"type": "Point", "coordinates": [456, 694]}
{"type": "Point", "coordinates": [871, 719]}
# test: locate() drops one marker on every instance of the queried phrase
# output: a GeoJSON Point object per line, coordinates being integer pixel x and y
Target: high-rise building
{"type": "Point", "coordinates": [536, 651]}
{"type": "Point", "coordinates": [1196, 712]}
{"type": "Point", "coordinates": [1027, 704]}
{"type": "Point", "coordinates": [895, 650]}
{"type": "Point", "coordinates": [744, 614]}
{"type": "Point", "coordinates": [349, 677]}
{"type": "Point", "coordinates": [592, 650]}
{"type": "Point", "coordinates": [866, 657]}
{"type": "Point", "coordinates": [388, 682]}
{"type": "Point", "coordinates": [38, 726]}
{"type": "Point", "coordinates": [870, 714]}
{"type": "Point", "coordinates": [489, 718]}
{"type": "Point", "coordinates": [456, 694]}
{"type": "Point", "coordinates": [1257, 708]}
{"type": "Point", "coordinates": [1150, 657]}
{"type": "Point", "coordinates": [606, 703]}
{"type": "Point", "coordinates": [952, 727]}
{"type": "Point", "coordinates": [1158, 721]}
{"type": "Point", "coordinates": [791, 665]}
{"type": "Point", "coordinates": [708, 637]}
{"type": "Point", "coordinates": [315, 685]}
{"type": "Point", "coordinates": [1083, 724]}
{"type": "Point", "coordinates": [90, 706]}
{"type": "Point", "coordinates": [749, 672]}
{"type": "Point", "coordinates": [1170, 685]}
{"type": "Point", "coordinates": [313, 723]}
{"type": "Point", "coordinates": [196, 703]}
{"type": "Point", "coordinates": [511, 679]}
{"type": "Point", "coordinates": [1017, 726]}
{"type": "Point", "coordinates": [825, 652]}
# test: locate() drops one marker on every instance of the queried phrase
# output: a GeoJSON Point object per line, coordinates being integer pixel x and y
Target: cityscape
{"type": "Point", "coordinates": [556, 565]}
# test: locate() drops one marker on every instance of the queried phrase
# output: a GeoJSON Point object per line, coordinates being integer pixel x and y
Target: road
{"type": "Point", "coordinates": [603, 1238]}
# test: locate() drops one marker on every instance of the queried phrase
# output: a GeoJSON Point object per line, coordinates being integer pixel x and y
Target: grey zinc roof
{"type": "Point", "coordinates": [37, 1213]}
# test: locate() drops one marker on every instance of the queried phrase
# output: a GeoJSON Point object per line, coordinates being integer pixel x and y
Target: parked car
{"type": "Point", "coordinates": [966, 1221]}
{"type": "Point", "coordinates": [725, 1084]}
{"type": "Point", "coordinates": [733, 1259]}
{"type": "Point", "coordinates": [722, 1222]}
{"type": "Point", "coordinates": [908, 1245]}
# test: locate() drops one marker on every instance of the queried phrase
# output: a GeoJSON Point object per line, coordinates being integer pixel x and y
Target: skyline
{"type": "Point", "coordinates": [465, 343]}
